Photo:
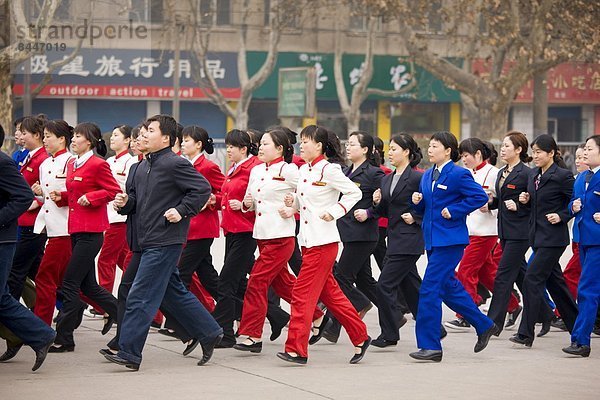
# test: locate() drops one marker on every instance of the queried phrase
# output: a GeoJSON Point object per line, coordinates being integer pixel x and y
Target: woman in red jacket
{"type": "Point", "coordinates": [237, 226]}
{"type": "Point", "coordinates": [90, 186]}
{"type": "Point", "coordinates": [204, 227]}
{"type": "Point", "coordinates": [30, 247]}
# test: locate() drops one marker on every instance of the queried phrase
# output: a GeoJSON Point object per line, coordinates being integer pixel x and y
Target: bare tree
{"type": "Point", "coordinates": [361, 90]}
{"type": "Point", "coordinates": [512, 39]}
{"type": "Point", "coordinates": [281, 13]}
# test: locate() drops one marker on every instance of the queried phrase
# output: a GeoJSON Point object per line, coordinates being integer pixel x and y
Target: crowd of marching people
{"type": "Point", "coordinates": [69, 218]}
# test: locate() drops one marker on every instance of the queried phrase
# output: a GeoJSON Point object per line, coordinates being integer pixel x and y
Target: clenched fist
{"type": "Point", "coordinates": [416, 198]}
{"type": "Point", "coordinates": [172, 215]}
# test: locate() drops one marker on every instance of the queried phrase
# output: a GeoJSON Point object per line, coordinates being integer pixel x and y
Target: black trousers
{"type": "Point", "coordinates": [81, 275]}
{"type": "Point", "coordinates": [544, 272]}
{"type": "Point", "coordinates": [399, 274]}
{"type": "Point", "coordinates": [196, 258]}
{"type": "Point", "coordinates": [381, 249]}
{"type": "Point", "coordinates": [295, 261]}
{"type": "Point", "coordinates": [124, 287]}
{"type": "Point", "coordinates": [239, 259]}
{"type": "Point", "coordinates": [28, 255]}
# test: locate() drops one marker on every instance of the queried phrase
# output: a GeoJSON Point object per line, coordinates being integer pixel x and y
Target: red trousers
{"type": "Point", "coordinates": [202, 294]}
{"type": "Point", "coordinates": [315, 282]}
{"type": "Point", "coordinates": [270, 269]}
{"type": "Point", "coordinates": [572, 271]}
{"type": "Point", "coordinates": [114, 252]}
{"type": "Point", "coordinates": [480, 264]}
{"type": "Point", "coordinates": [50, 275]}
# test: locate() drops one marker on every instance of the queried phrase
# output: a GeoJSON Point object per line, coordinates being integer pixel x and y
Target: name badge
{"type": "Point", "coordinates": [61, 176]}
{"type": "Point", "coordinates": [78, 178]}
{"type": "Point", "coordinates": [511, 186]}
{"type": "Point", "coordinates": [278, 178]}
{"type": "Point", "coordinates": [485, 187]}
{"type": "Point", "coordinates": [319, 183]}
{"type": "Point", "coordinates": [357, 184]}
{"type": "Point", "coordinates": [29, 169]}
{"type": "Point", "coordinates": [596, 192]}
{"type": "Point", "coordinates": [443, 187]}
{"type": "Point", "coordinates": [121, 173]}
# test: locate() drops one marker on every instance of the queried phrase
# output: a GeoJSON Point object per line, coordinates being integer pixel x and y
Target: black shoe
{"type": "Point", "coordinates": [208, 349]}
{"type": "Point", "coordinates": [443, 333]}
{"type": "Point", "coordinates": [254, 347]}
{"type": "Point", "coordinates": [402, 322]}
{"type": "Point", "coordinates": [155, 325]}
{"type": "Point", "coordinates": [40, 354]}
{"type": "Point", "coordinates": [459, 324]}
{"type": "Point", "coordinates": [484, 338]}
{"type": "Point", "coordinates": [320, 330]}
{"type": "Point", "coordinates": [168, 332]}
{"type": "Point", "coordinates": [191, 347]}
{"type": "Point", "coordinates": [545, 329]}
{"type": "Point", "coordinates": [226, 342]}
{"type": "Point", "coordinates": [276, 331]}
{"type": "Point", "coordinates": [121, 361]}
{"type": "Point", "coordinates": [10, 352]}
{"type": "Point", "coordinates": [596, 331]}
{"type": "Point", "coordinates": [331, 335]}
{"type": "Point", "coordinates": [558, 323]}
{"type": "Point", "coordinates": [108, 323]}
{"type": "Point", "coordinates": [576, 349]}
{"type": "Point", "coordinates": [512, 318]}
{"type": "Point", "coordinates": [382, 343]}
{"type": "Point", "coordinates": [107, 352]}
{"type": "Point", "coordinates": [522, 340]}
{"type": "Point", "coordinates": [427, 355]}
{"type": "Point", "coordinates": [363, 350]}
{"type": "Point", "coordinates": [63, 348]}
{"type": "Point", "coordinates": [293, 359]}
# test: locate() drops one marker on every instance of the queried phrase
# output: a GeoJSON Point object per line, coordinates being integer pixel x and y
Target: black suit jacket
{"type": "Point", "coordinates": [552, 196]}
{"type": "Point", "coordinates": [402, 238]}
{"type": "Point", "coordinates": [368, 178]}
{"type": "Point", "coordinates": [15, 198]}
{"type": "Point", "coordinates": [513, 225]}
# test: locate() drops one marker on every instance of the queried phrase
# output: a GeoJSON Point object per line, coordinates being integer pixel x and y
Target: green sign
{"type": "Point", "coordinates": [390, 73]}
{"type": "Point", "coordinates": [296, 92]}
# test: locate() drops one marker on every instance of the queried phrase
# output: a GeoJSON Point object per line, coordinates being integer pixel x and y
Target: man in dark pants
{"type": "Point", "coordinates": [166, 193]}
{"type": "Point", "coordinates": [15, 198]}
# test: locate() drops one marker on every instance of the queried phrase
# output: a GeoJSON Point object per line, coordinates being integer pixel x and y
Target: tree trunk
{"type": "Point", "coordinates": [540, 104]}
{"type": "Point", "coordinates": [6, 108]}
{"type": "Point", "coordinates": [352, 121]}
{"type": "Point", "coordinates": [490, 123]}
{"type": "Point", "coordinates": [241, 118]}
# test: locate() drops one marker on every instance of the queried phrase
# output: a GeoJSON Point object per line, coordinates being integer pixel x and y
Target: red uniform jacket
{"type": "Point", "coordinates": [31, 173]}
{"type": "Point", "coordinates": [383, 222]}
{"type": "Point", "coordinates": [206, 223]}
{"type": "Point", "coordinates": [95, 180]}
{"type": "Point", "coordinates": [234, 188]}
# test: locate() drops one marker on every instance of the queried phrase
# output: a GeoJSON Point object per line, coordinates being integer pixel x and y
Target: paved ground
{"type": "Point", "coordinates": [500, 372]}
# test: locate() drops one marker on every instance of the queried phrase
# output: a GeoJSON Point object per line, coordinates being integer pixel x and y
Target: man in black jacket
{"type": "Point", "coordinates": [167, 191]}
{"type": "Point", "coordinates": [15, 198]}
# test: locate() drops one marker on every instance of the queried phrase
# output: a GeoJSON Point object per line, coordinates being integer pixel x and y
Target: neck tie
{"type": "Point", "coordinates": [436, 174]}
{"type": "Point", "coordinates": [537, 181]}
{"type": "Point", "coordinates": [589, 176]}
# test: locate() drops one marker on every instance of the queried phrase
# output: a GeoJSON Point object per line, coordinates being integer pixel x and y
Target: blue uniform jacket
{"type": "Point", "coordinates": [456, 190]}
{"type": "Point", "coordinates": [589, 230]}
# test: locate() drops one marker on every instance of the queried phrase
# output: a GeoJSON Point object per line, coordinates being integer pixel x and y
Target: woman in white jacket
{"type": "Point", "coordinates": [274, 231]}
{"type": "Point", "coordinates": [318, 200]}
{"type": "Point", "coordinates": [478, 264]}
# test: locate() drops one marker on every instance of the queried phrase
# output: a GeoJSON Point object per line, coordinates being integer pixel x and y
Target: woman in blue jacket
{"type": "Point", "coordinates": [585, 205]}
{"type": "Point", "coordinates": [446, 196]}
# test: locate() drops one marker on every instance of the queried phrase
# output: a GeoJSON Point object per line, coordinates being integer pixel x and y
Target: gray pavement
{"type": "Point", "coordinates": [502, 371]}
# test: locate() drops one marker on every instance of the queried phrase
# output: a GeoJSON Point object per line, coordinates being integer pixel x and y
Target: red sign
{"type": "Point", "coordinates": [124, 92]}
{"type": "Point", "coordinates": [567, 84]}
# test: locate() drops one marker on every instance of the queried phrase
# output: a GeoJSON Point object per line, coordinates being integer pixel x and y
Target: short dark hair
{"type": "Point", "coordinates": [519, 139]}
{"type": "Point", "coordinates": [407, 142]}
{"type": "Point", "coordinates": [199, 134]}
{"type": "Point", "coordinates": [448, 140]}
{"type": "Point", "coordinates": [319, 134]}
{"type": "Point", "coordinates": [35, 124]}
{"type": "Point", "coordinates": [18, 121]}
{"type": "Point", "coordinates": [595, 138]}
{"type": "Point", "coordinates": [366, 140]}
{"type": "Point", "coordinates": [167, 124]}
{"type": "Point", "coordinates": [60, 128]}
{"type": "Point", "coordinates": [547, 144]}
{"type": "Point", "coordinates": [473, 145]}
{"type": "Point", "coordinates": [125, 130]}
{"type": "Point", "coordinates": [92, 133]}
{"type": "Point", "coordinates": [281, 138]}
{"type": "Point", "coordinates": [239, 138]}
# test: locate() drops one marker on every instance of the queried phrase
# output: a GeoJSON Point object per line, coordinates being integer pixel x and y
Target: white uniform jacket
{"type": "Point", "coordinates": [318, 192]}
{"type": "Point", "coordinates": [53, 176]}
{"type": "Point", "coordinates": [482, 223]}
{"type": "Point", "coordinates": [268, 186]}
{"type": "Point", "coordinates": [119, 166]}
